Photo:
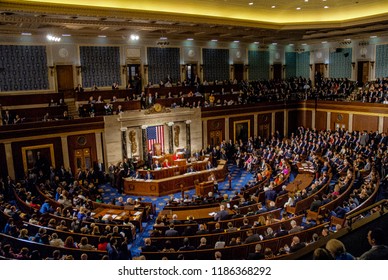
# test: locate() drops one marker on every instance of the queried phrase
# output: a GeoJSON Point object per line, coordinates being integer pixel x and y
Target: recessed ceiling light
{"type": "Point", "coordinates": [273, 7]}
{"type": "Point", "coordinates": [250, 3]}
{"type": "Point", "coordinates": [163, 38]}
{"type": "Point", "coordinates": [306, 0]}
{"type": "Point", "coordinates": [347, 39]}
{"type": "Point", "coordinates": [274, 44]}
{"type": "Point", "coordinates": [134, 37]}
{"type": "Point", "coordinates": [373, 36]}
{"type": "Point", "coordinates": [304, 44]}
{"type": "Point", "coordinates": [236, 41]}
{"type": "Point", "coordinates": [298, 8]}
{"type": "Point", "coordinates": [324, 42]}
{"type": "Point", "coordinates": [190, 39]}
{"type": "Point", "coordinates": [102, 36]}
{"type": "Point", "coordinates": [256, 43]}
{"type": "Point", "coordinates": [66, 35]}
{"type": "Point", "coordinates": [326, 7]}
{"type": "Point", "coordinates": [214, 40]}
{"type": "Point", "coordinates": [26, 33]}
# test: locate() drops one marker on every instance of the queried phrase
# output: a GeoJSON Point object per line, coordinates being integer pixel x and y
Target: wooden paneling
{"type": "Point", "coordinates": [214, 129]}
{"type": "Point", "coordinates": [298, 118]}
{"type": "Point", "coordinates": [3, 160]}
{"type": "Point", "coordinates": [18, 156]}
{"type": "Point", "coordinates": [264, 125]}
{"type": "Point", "coordinates": [385, 126]}
{"type": "Point", "coordinates": [279, 122]}
{"type": "Point", "coordinates": [363, 122]}
{"type": "Point", "coordinates": [65, 77]}
{"type": "Point", "coordinates": [29, 99]}
{"type": "Point", "coordinates": [82, 141]}
{"type": "Point", "coordinates": [293, 121]}
{"type": "Point", "coordinates": [320, 120]}
{"type": "Point", "coordinates": [340, 119]}
{"type": "Point", "coordinates": [237, 121]}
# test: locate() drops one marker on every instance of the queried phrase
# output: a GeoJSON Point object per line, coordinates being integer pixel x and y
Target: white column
{"type": "Point", "coordinates": [350, 124]}
{"type": "Point", "coordinates": [65, 152]}
{"type": "Point", "coordinates": [381, 124]}
{"type": "Point", "coordinates": [204, 139]}
{"type": "Point", "coordinates": [227, 136]}
{"type": "Point", "coordinates": [273, 123]}
{"type": "Point", "coordinates": [99, 146]}
{"type": "Point", "coordinates": [313, 119]}
{"type": "Point", "coordinates": [328, 120]}
{"type": "Point", "coordinates": [9, 158]}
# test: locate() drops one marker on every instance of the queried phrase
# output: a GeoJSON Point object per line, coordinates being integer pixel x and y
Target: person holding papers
{"type": "Point", "coordinates": [156, 165]}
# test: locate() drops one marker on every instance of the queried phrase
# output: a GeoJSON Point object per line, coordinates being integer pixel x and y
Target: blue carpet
{"type": "Point", "coordinates": [240, 178]}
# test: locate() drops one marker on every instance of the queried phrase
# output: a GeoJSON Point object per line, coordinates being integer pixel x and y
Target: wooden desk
{"type": "Point", "coordinates": [179, 169]}
{"type": "Point", "coordinates": [300, 182]}
{"type": "Point", "coordinates": [200, 214]}
{"type": "Point", "coordinates": [305, 167]}
{"type": "Point", "coordinates": [204, 188]}
{"type": "Point", "coordinates": [119, 215]}
{"type": "Point", "coordinates": [165, 186]}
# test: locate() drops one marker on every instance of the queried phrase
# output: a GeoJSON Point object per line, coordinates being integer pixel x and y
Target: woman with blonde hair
{"type": "Point", "coordinates": [337, 249]}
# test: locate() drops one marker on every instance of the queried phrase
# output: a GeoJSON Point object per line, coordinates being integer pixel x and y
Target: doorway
{"type": "Point", "coordinates": [82, 159]}
{"type": "Point", "coordinates": [191, 72]}
{"type": "Point", "coordinates": [362, 72]}
{"type": "Point", "coordinates": [238, 72]}
{"type": "Point", "coordinates": [215, 137]}
{"type": "Point", "coordinates": [65, 79]}
{"type": "Point", "coordinates": [133, 76]}
{"type": "Point", "coordinates": [319, 73]}
{"type": "Point", "coordinates": [277, 71]}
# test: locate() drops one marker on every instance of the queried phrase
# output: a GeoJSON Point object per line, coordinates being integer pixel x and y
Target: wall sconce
{"type": "Point", "coordinates": [145, 68]}
{"type": "Point", "coordinates": [246, 67]}
{"type": "Point", "coordinates": [183, 68]}
{"type": "Point", "coordinates": [201, 67]}
{"type": "Point", "coordinates": [231, 67]}
{"type": "Point", "coordinates": [326, 64]}
{"type": "Point", "coordinates": [372, 64]}
{"type": "Point", "coordinates": [79, 69]}
{"type": "Point", "coordinates": [311, 67]}
{"type": "Point", "coordinates": [271, 67]}
{"type": "Point", "coordinates": [124, 67]}
{"type": "Point", "coordinates": [52, 69]}
{"type": "Point", "coordinates": [353, 65]}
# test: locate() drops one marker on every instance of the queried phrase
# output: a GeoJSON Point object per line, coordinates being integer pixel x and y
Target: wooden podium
{"type": "Point", "coordinates": [204, 188]}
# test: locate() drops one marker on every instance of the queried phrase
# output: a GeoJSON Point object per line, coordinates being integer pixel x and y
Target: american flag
{"type": "Point", "coordinates": [155, 134]}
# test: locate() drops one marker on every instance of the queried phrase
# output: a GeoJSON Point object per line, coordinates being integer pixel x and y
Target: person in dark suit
{"type": "Point", "coordinates": [257, 255]}
{"type": "Point", "coordinates": [251, 237]}
{"type": "Point", "coordinates": [149, 102]}
{"type": "Point", "coordinates": [137, 175]}
{"type": "Point", "coordinates": [148, 247]}
{"type": "Point", "coordinates": [202, 230]}
{"type": "Point", "coordinates": [79, 89]}
{"type": "Point", "coordinates": [296, 244]}
{"type": "Point", "coordinates": [190, 169]}
{"type": "Point", "coordinates": [171, 231]}
{"type": "Point", "coordinates": [379, 251]}
{"type": "Point", "coordinates": [148, 176]}
{"type": "Point", "coordinates": [186, 245]}
{"type": "Point", "coordinates": [209, 165]}
{"type": "Point", "coordinates": [315, 204]}
{"type": "Point", "coordinates": [222, 214]}
{"type": "Point", "coordinates": [156, 165]}
{"type": "Point", "coordinates": [7, 118]}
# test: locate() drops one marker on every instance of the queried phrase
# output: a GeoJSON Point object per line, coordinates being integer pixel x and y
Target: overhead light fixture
{"type": "Point", "coordinates": [163, 38]}
{"type": "Point", "coordinates": [326, 7]}
{"type": "Point", "coordinates": [250, 3]}
{"type": "Point", "coordinates": [66, 35]}
{"type": "Point", "coordinates": [304, 44]}
{"type": "Point", "coordinates": [273, 7]}
{"type": "Point", "coordinates": [53, 38]}
{"type": "Point", "coordinates": [373, 36]}
{"type": "Point", "coordinates": [256, 43]}
{"type": "Point", "coordinates": [26, 33]}
{"type": "Point", "coordinates": [102, 36]}
{"type": "Point", "coordinates": [214, 40]}
{"type": "Point", "coordinates": [236, 41]}
{"type": "Point", "coordinates": [274, 44]}
{"type": "Point", "coordinates": [306, 0]}
{"type": "Point", "coordinates": [298, 8]}
{"type": "Point", "coordinates": [291, 44]}
{"type": "Point", "coordinates": [134, 37]}
{"type": "Point", "coordinates": [324, 42]}
{"type": "Point", "coordinates": [190, 39]}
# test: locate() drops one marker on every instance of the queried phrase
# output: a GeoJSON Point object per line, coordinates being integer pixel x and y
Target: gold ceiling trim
{"type": "Point", "coordinates": [49, 7]}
